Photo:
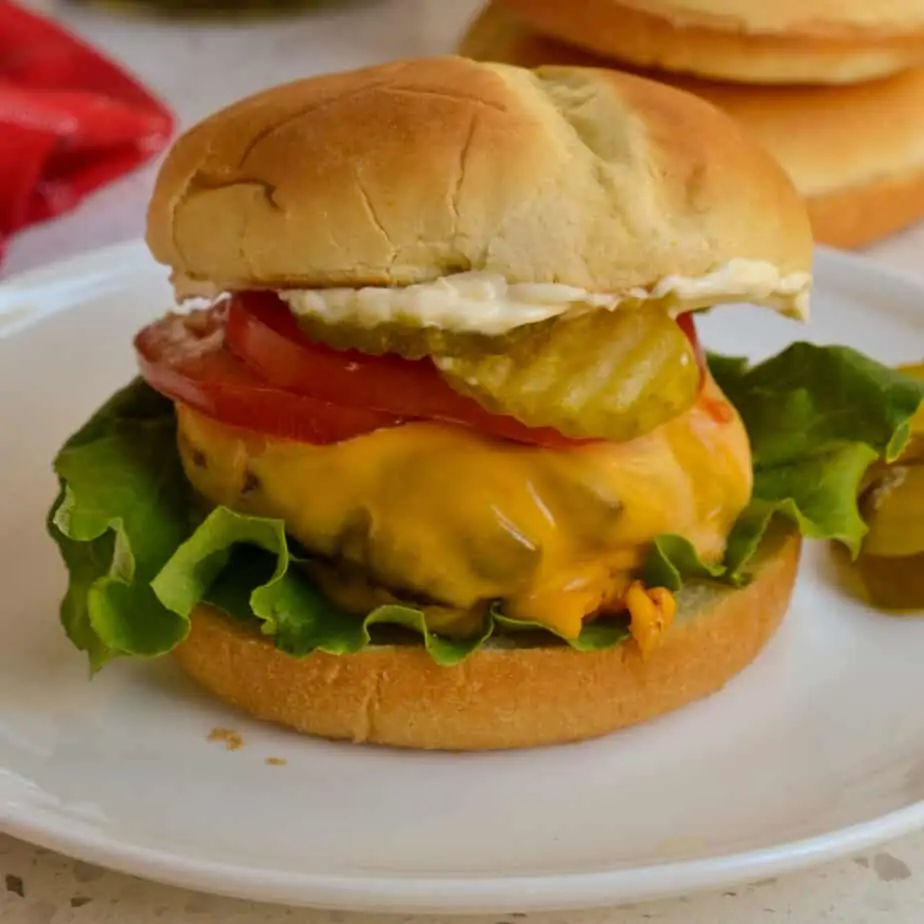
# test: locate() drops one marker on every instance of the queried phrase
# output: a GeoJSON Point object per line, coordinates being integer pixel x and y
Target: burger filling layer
{"type": "Point", "coordinates": [445, 515]}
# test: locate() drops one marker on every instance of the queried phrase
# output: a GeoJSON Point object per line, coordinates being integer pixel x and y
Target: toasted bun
{"type": "Point", "coordinates": [755, 42]}
{"type": "Point", "coordinates": [500, 697]}
{"type": "Point", "coordinates": [405, 172]}
{"type": "Point", "coordinates": [855, 153]}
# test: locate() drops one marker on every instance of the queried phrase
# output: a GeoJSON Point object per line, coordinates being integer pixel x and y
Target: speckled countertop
{"type": "Point", "coordinates": [886, 886]}
{"type": "Point", "coordinates": [197, 68]}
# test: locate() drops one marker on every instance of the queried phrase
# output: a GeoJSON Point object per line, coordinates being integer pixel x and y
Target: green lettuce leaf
{"type": "Point", "coordinates": [817, 418]}
{"type": "Point", "coordinates": [120, 513]}
{"type": "Point", "coordinates": [673, 560]}
{"type": "Point", "coordinates": [137, 566]}
{"type": "Point", "coordinates": [595, 636]}
{"type": "Point", "coordinates": [813, 400]}
{"type": "Point", "coordinates": [243, 565]}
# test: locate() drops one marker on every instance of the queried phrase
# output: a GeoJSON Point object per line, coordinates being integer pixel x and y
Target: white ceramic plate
{"type": "Point", "coordinates": [815, 751]}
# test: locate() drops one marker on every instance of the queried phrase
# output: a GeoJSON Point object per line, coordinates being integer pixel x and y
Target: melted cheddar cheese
{"type": "Point", "coordinates": [447, 515]}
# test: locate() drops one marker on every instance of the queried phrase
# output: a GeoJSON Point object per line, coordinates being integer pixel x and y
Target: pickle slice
{"type": "Point", "coordinates": [404, 339]}
{"type": "Point", "coordinates": [915, 370]}
{"type": "Point", "coordinates": [894, 583]}
{"type": "Point", "coordinates": [602, 374]}
{"type": "Point", "coordinates": [894, 512]}
{"type": "Point", "coordinates": [892, 501]}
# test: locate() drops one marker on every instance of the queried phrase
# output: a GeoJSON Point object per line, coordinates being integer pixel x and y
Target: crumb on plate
{"type": "Point", "coordinates": [232, 740]}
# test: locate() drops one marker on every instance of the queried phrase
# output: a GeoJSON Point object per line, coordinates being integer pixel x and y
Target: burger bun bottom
{"type": "Point", "coordinates": [502, 696]}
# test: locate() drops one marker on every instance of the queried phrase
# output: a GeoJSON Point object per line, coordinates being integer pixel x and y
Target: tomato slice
{"type": "Point", "coordinates": [688, 325]}
{"type": "Point", "coordinates": [245, 362]}
{"type": "Point", "coordinates": [185, 358]}
{"type": "Point", "coordinates": [263, 333]}
{"type": "Point", "coordinates": [718, 409]}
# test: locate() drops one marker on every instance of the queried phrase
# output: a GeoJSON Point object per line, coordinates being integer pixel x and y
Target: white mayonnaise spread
{"type": "Point", "coordinates": [486, 303]}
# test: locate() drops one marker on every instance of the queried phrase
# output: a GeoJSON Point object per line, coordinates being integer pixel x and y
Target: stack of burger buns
{"type": "Point", "coordinates": [834, 89]}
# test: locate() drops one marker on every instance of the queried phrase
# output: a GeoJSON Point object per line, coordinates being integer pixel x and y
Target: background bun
{"type": "Point", "coordinates": [822, 18]}
{"type": "Point", "coordinates": [408, 171]}
{"type": "Point", "coordinates": [856, 153]}
{"type": "Point", "coordinates": [760, 41]}
{"type": "Point", "coordinates": [499, 697]}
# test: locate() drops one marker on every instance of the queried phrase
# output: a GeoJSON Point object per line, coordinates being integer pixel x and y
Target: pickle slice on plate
{"type": "Point", "coordinates": [893, 495]}
{"type": "Point", "coordinates": [610, 375]}
{"type": "Point", "coordinates": [891, 563]}
{"type": "Point", "coordinates": [404, 339]}
{"type": "Point", "coordinates": [894, 583]}
{"type": "Point", "coordinates": [894, 512]}
{"type": "Point", "coordinates": [915, 370]}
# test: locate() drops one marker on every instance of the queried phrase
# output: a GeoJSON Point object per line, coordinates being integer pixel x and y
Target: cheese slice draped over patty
{"type": "Point", "coordinates": [445, 514]}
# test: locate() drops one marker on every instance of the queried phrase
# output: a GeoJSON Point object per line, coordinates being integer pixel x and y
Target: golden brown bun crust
{"type": "Point", "coordinates": [404, 172]}
{"type": "Point", "coordinates": [722, 49]}
{"type": "Point", "coordinates": [859, 217]}
{"type": "Point", "coordinates": [801, 17]}
{"type": "Point", "coordinates": [498, 698]}
{"type": "Point", "coordinates": [856, 153]}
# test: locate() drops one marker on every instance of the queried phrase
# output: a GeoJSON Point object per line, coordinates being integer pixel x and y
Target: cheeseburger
{"type": "Point", "coordinates": [432, 456]}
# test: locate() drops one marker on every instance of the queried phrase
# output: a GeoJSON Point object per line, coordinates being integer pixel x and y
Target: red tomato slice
{"type": "Point", "coordinates": [720, 410]}
{"type": "Point", "coordinates": [263, 333]}
{"type": "Point", "coordinates": [688, 325]}
{"type": "Point", "coordinates": [185, 358]}
{"type": "Point", "coordinates": [272, 380]}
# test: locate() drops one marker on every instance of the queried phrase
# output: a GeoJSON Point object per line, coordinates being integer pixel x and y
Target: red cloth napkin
{"type": "Point", "coordinates": [70, 121]}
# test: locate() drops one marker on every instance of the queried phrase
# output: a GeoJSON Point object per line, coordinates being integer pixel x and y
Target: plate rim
{"type": "Point", "coordinates": [421, 893]}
